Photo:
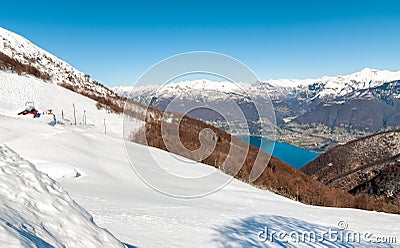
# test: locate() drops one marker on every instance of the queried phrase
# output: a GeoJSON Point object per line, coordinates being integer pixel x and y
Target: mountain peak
{"type": "Point", "coordinates": [367, 69]}
{"type": "Point", "coordinates": [367, 72]}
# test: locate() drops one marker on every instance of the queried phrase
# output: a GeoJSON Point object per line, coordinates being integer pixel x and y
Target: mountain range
{"type": "Point", "coordinates": [365, 100]}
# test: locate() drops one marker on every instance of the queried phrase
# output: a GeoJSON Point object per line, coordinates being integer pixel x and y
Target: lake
{"type": "Point", "coordinates": [290, 154]}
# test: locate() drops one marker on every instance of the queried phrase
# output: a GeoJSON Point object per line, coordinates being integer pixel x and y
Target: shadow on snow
{"type": "Point", "coordinates": [247, 232]}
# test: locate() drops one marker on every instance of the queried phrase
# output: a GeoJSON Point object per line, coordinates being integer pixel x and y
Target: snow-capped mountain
{"type": "Point", "coordinates": [333, 86]}
{"type": "Point", "coordinates": [276, 88]}
{"type": "Point", "coordinates": [196, 89]}
{"type": "Point", "coordinates": [20, 50]}
{"type": "Point", "coordinates": [292, 98]}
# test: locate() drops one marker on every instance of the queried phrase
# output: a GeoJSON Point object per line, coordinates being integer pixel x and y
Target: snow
{"type": "Point", "coordinates": [189, 88]}
{"type": "Point", "coordinates": [24, 51]}
{"type": "Point", "coordinates": [37, 212]}
{"type": "Point", "coordinates": [329, 86]}
{"type": "Point", "coordinates": [16, 90]}
{"type": "Point", "coordinates": [337, 85]}
{"type": "Point", "coordinates": [363, 78]}
{"type": "Point", "coordinates": [136, 214]}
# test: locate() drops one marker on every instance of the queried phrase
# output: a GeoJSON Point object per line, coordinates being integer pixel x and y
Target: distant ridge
{"type": "Point", "coordinates": [370, 165]}
{"type": "Point", "coordinates": [348, 101]}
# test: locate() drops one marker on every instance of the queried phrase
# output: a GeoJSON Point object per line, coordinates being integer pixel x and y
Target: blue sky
{"type": "Point", "coordinates": [116, 41]}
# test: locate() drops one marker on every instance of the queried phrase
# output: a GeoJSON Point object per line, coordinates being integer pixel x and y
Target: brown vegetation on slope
{"type": "Point", "coordinates": [356, 154]}
{"type": "Point", "coordinates": [7, 63]}
{"type": "Point", "coordinates": [277, 176]}
{"type": "Point", "coordinates": [385, 184]}
{"type": "Point", "coordinates": [369, 165]}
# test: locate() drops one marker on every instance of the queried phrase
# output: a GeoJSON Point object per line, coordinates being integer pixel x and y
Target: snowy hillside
{"type": "Point", "coordinates": [136, 214]}
{"type": "Point", "coordinates": [16, 90]}
{"type": "Point", "coordinates": [59, 72]}
{"type": "Point", "coordinates": [37, 212]}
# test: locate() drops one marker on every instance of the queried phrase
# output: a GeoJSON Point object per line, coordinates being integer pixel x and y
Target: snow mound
{"type": "Point", "coordinates": [37, 212]}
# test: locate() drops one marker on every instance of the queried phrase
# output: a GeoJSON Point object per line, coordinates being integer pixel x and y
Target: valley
{"type": "Point", "coordinates": [314, 113]}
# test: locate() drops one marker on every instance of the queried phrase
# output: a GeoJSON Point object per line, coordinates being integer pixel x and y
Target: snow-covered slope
{"type": "Point", "coordinates": [24, 51]}
{"type": "Point", "coordinates": [16, 90]}
{"type": "Point", "coordinates": [36, 212]}
{"type": "Point", "coordinates": [136, 214]}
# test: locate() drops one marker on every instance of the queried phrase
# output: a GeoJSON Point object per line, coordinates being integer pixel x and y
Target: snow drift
{"type": "Point", "coordinates": [37, 212]}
